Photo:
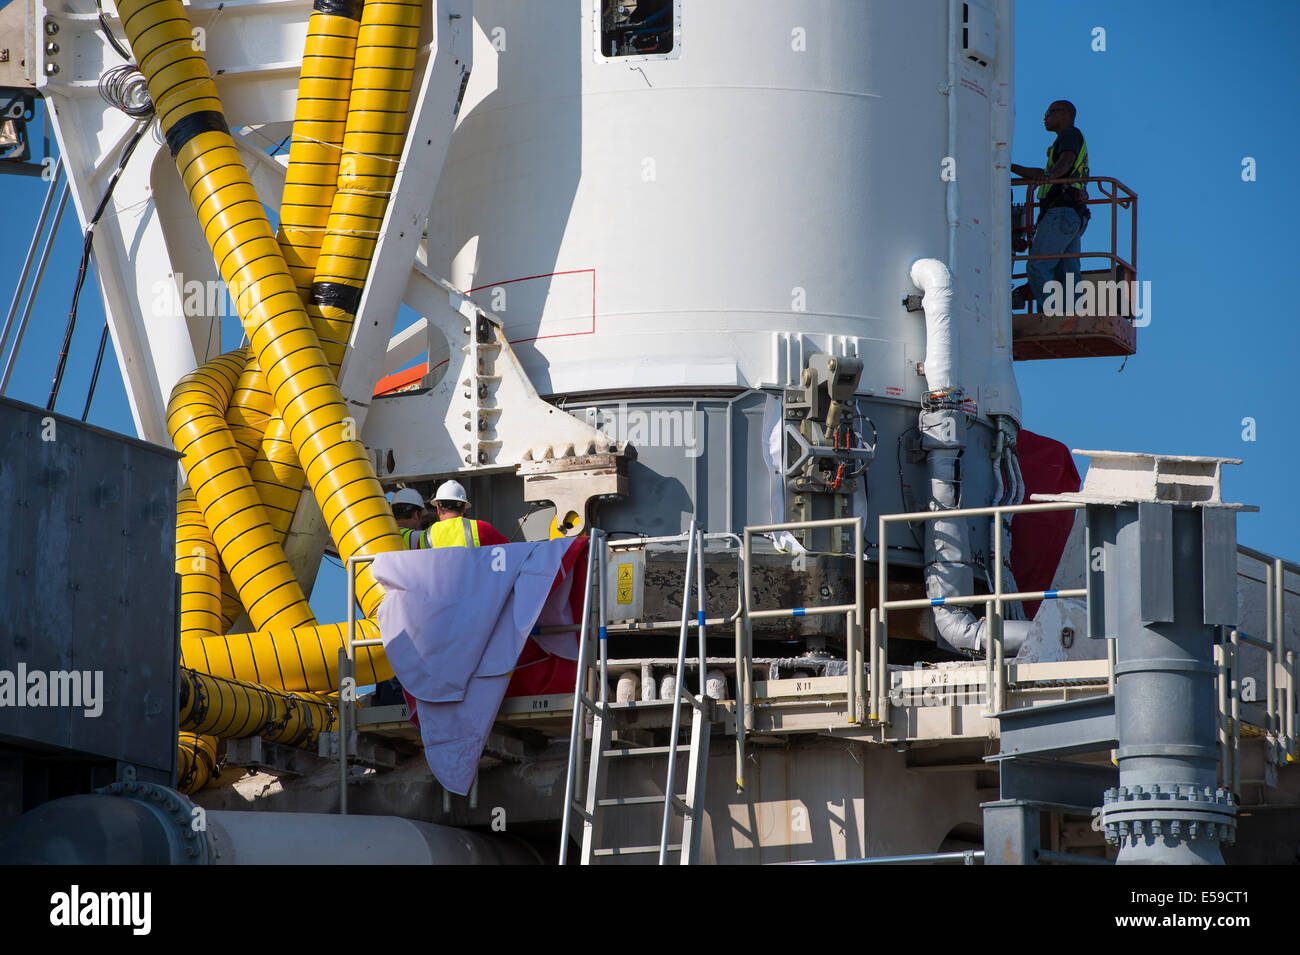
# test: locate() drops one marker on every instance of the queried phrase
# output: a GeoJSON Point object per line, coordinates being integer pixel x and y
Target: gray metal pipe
{"type": "Point", "coordinates": [1168, 807]}
{"type": "Point", "coordinates": [146, 824]}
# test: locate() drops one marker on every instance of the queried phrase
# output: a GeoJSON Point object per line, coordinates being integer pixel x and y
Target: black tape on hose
{"type": "Point", "coordinates": [339, 8]}
{"type": "Point", "coordinates": [204, 121]}
{"type": "Point", "coordinates": [336, 295]}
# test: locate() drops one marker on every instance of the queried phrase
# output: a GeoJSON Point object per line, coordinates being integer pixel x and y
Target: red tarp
{"type": "Point", "coordinates": [539, 672]}
{"type": "Point", "coordinates": [1038, 540]}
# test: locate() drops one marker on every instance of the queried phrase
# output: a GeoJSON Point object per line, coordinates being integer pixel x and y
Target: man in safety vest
{"type": "Point", "coordinates": [1064, 209]}
{"type": "Point", "coordinates": [453, 528]}
{"type": "Point", "coordinates": [408, 509]}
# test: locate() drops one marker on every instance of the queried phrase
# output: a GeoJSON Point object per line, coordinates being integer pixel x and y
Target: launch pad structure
{"type": "Point", "coordinates": [677, 277]}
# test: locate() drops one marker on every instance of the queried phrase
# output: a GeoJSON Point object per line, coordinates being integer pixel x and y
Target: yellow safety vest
{"type": "Point", "coordinates": [1078, 171]}
{"type": "Point", "coordinates": [456, 532]}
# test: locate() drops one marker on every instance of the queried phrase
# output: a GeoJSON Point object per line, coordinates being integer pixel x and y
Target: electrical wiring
{"type": "Point", "coordinates": [85, 262]}
{"type": "Point", "coordinates": [123, 87]}
{"type": "Point", "coordinates": [94, 375]}
{"type": "Point", "coordinates": [902, 486]}
{"type": "Point", "coordinates": [108, 34]}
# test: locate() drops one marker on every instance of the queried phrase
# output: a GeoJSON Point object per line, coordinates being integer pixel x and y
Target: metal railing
{"type": "Point", "coordinates": [1280, 703]}
{"type": "Point", "coordinates": [868, 667]}
{"type": "Point", "coordinates": [996, 669]}
{"type": "Point", "coordinates": [1112, 193]}
{"type": "Point", "coordinates": [594, 700]}
{"type": "Point", "coordinates": [348, 677]}
{"type": "Point", "coordinates": [581, 699]}
{"type": "Point", "coordinates": [853, 613]}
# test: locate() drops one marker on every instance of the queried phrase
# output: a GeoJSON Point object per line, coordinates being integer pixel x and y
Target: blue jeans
{"type": "Point", "coordinates": [1057, 233]}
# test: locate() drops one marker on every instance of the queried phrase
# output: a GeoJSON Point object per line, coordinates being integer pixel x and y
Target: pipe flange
{"type": "Point", "coordinates": [178, 813]}
{"type": "Point", "coordinates": [1179, 811]}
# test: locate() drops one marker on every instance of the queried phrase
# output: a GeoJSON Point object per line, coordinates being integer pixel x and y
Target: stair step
{"type": "Point", "coordinates": [680, 801]}
{"type": "Point", "coordinates": [634, 850]}
{"type": "Point", "coordinates": [644, 751]}
{"type": "Point", "coordinates": [688, 699]}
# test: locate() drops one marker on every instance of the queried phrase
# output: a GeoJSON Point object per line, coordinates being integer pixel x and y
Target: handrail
{"type": "Point", "coordinates": [1279, 669]}
{"type": "Point", "coordinates": [1118, 197]}
{"type": "Point", "coordinates": [578, 720]}
{"type": "Point", "coordinates": [996, 670]}
{"type": "Point", "coordinates": [855, 613]}
{"type": "Point", "coordinates": [347, 671]}
{"type": "Point", "coordinates": [678, 689]}
{"type": "Point", "coordinates": [696, 540]}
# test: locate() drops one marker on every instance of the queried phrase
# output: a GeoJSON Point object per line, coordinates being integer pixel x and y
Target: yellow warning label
{"type": "Point", "coordinates": [625, 593]}
{"type": "Point", "coordinates": [625, 573]}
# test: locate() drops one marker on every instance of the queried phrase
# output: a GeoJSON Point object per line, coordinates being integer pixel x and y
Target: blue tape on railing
{"type": "Point", "coordinates": [699, 616]}
{"type": "Point", "coordinates": [603, 633]}
{"type": "Point", "coordinates": [799, 611]}
{"type": "Point", "coordinates": [1049, 594]}
{"type": "Point", "coordinates": [937, 601]}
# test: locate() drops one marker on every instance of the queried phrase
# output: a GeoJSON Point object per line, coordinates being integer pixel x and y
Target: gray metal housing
{"type": "Point", "coordinates": [87, 544]}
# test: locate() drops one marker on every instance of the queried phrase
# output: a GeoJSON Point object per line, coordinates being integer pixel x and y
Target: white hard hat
{"type": "Point", "coordinates": [451, 491]}
{"type": "Point", "coordinates": [409, 495]}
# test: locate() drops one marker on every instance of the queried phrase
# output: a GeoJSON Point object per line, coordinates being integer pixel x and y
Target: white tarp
{"type": "Point", "coordinates": [454, 621]}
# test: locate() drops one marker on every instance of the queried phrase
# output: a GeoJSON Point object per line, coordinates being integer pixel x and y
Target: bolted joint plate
{"type": "Point", "coordinates": [175, 809]}
{"type": "Point", "coordinates": [1173, 811]}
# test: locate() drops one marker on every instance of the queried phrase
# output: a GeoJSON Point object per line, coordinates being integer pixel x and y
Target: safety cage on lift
{"type": "Point", "coordinates": [1100, 308]}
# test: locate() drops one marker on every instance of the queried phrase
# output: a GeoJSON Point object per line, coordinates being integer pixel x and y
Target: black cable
{"type": "Point", "coordinates": [94, 376]}
{"type": "Point", "coordinates": [108, 34]}
{"type": "Point", "coordinates": [85, 261]}
{"type": "Point", "coordinates": [124, 87]}
{"type": "Point", "coordinates": [902, 492]}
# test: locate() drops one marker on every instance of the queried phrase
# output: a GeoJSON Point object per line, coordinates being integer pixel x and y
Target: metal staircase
{"type": "Point", "coordinates": [610, 732]}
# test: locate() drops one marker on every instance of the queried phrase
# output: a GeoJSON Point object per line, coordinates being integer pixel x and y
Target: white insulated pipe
{"type": "Point", "coordinates": [948, 571]}
{"type": "Point", "coordinates": [934, 280]}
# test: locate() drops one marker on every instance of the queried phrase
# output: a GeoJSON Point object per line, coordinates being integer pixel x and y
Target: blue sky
{"type": "Point", "coordinates": [1181, 95]}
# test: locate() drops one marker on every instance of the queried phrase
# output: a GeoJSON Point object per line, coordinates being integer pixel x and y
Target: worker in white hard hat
{"type": "Point", "coordinates": [453, 528]}
{"type": "Point", "coordinates": [408, 511]}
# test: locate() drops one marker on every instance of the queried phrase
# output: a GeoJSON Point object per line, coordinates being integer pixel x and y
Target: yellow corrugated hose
{"type": "Point", "coordinates": [196, 418]}
{"type": "Point", "coordinates": [237, 411]}
{"type": "Point", "coordinates": [227, 709]}
{"type": "Point", "coordinates": [372, 146]}
{"type": "Point", "coordinates": [302, 660]}
{"type": "Point", "coordinates": [345, 222]}
{"type": "Point", "coordinates": [248, 257]}
{"type": "Point", "coordinates": [320, 118]}
{"type": "Point", "coordinates": [199, 570]}
{"type": "Point", "coordinates": [196, 761]}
